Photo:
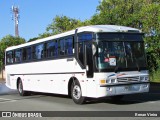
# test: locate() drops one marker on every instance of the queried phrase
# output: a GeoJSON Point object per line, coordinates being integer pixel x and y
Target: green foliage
{"type": "Point", "coordinates": [155, 77]}
{"type": "Point", "coordinates": [63, 23]}
{"type": "Point", "coordinates": [60, 24]}
{"type": "Point", "coordinates": [33, 39]}
{"type": "Point", "coordinates": [44, 35]}
{"type": "Point", "coordinates": [40, 36]}
{"type": "Point", "coordinates": [141, 14]}
{"type": "Point", "coordinates": [8, 41]}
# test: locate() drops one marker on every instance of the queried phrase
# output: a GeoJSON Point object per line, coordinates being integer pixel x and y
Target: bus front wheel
{"type": "Point", "coordinates": [76, 93]}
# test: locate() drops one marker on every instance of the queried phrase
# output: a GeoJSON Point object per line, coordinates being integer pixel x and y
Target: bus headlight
{"type": "Point", "coordinates": [108, 81]}
{"type": "Point", "coordinates": [144, 78]}
{"type": "Point", "coordinates": [111, 81]}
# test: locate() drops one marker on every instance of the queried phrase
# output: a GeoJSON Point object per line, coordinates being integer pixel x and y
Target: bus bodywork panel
{"type": "Point", "coordinates": [57, 81]}
{"type": "Point", "coordinates": [43, 78]}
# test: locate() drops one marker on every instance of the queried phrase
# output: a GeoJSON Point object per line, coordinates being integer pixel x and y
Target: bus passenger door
{"type": "Point", "coordinates": [89, 60]}
{"type": "Point", "coordinates": [91, 84]}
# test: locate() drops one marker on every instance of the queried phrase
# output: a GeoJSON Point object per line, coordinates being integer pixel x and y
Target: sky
{"type": "Point", "coordinates": [36, 15]}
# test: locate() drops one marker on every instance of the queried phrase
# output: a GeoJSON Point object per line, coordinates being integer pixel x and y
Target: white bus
{"type": "Point", "coordinates": [89, 62]}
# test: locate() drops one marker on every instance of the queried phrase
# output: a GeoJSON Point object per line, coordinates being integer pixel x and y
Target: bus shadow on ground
{"type": "Point", "coordinates": [152, 95]}
{"type": "Point", "coordinates": [4, 90]}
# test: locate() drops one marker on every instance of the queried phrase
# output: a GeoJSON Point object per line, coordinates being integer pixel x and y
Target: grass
{"type": "Point", "coordinates": [155, 77]}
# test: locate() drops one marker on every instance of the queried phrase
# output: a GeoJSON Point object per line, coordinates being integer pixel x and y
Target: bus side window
{"type": "Point", "coordinates": [34, 52]}
{"type": "Point", "coordinates": [24, 54]}
{"type": "Point", "coordinates": [56, 49]}
{"type": "Point", "coordinates": [29, 53]}
{"type": "Point", "coordinates": [82, 39]}
{"type": "Point", "coordinates": [38, 51]}
{"type": "Point", "coordinates": [69, 46]}
{"type": "Point", "coordinates": [50, 49]}
{"type": "Point", "coordinates": [62, 47]}
{"type": "Point", "coordinates": [18, 55]}
{"type": "Point", "coordinates": [9, 59]}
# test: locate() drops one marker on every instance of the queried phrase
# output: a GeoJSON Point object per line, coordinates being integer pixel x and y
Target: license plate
{"type": "Point", "coordinates": [127, 88]}
{"type": "Point", "coordinates": [132, 88]}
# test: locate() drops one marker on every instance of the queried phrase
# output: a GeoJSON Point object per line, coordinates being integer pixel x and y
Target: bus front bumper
{"type": "Point", "coordinates": [122, 89]}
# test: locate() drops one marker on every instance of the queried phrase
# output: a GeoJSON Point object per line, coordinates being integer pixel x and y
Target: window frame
{"type": "Point", "coordinates": [26, 57]}
{"type": "Point", "coordinates": [8, 63]}
{"type": "Point", "coordinates": [21, 56]}
{"type": "Point", "coordinates": [34, 54]}
{"type": "Point", "coordinates": [44, 58]}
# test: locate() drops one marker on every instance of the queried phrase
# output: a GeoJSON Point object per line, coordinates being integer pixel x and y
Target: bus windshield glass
{"type": "Point", "coordinates": [121, 52]}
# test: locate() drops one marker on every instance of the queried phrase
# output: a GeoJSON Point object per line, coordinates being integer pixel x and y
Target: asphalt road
{"type": "Point", "coordinates": [11, 101]}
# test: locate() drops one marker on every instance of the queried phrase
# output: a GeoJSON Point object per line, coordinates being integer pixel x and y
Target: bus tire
{"type": "Point", "coordinates": [76, 93]}
{"type": "Point", "coordinates": [117, 98]}
{"type": "Point", "coordinates": [20, 89]}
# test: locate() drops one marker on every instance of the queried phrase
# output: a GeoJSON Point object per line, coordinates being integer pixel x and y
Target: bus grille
{"type": "Point", "coordinates": [128, 79]}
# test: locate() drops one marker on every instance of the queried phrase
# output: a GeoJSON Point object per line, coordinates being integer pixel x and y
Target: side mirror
{"type": "Point", "coordinates": [87, 68]}
{"type": "Point", "coordinates": [94, 49]}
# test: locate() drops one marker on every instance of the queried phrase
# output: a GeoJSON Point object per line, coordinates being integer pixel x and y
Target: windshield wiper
{"type": "Point", "coordinates": [136, 62]}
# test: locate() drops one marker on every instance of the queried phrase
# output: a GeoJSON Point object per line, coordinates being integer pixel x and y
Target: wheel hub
{"type": "Point", "coordinates": [20, 87]}
{"type": "Point", "coordinates": [76, 92]}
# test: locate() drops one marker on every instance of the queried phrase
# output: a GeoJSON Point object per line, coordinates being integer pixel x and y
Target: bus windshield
{"type": "Point", "coordinates": [121, 55]}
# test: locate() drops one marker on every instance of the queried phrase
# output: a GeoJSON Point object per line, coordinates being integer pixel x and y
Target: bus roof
{"type": "Point", "coordinates": [92, 28]}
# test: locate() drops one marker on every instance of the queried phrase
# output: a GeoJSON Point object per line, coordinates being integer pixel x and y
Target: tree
{"type": "Point", "coordinates": [40, 36]}
{"type": "Point", "coordinates": [33, 39]}
{"type": "Point", "coordinates": [60, 24]}
{"type": "Point", "coordinates": [119, 12]}
{"type": "Point", "coordinates": [150, 16]}
{"type": "Point", "coordinates": [63, 23]}
{"type": "Point", "coordinates": [44, 35]}
{"type": "Point", "coordinates": [141, 14]}
{"type": "Point", "coordinates": [8, 41]}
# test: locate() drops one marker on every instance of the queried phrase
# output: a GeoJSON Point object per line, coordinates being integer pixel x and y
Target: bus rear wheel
{"type": "Point", "coordinates": [76, 93]}
{"type": "Point", "coordinates": [20, 89]}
